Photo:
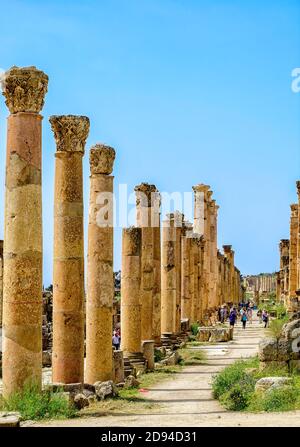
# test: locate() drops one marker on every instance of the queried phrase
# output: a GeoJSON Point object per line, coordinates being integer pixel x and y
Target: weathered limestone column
{"type": "Point", "coordinates": [168, 275]}
{"type": "Point", "coordinates": [298, 238]}
{"type": "Point", "coordinates": [186, 247]}
{"type": "Point", "coordinates": [131, 340]}
{"type": "Point", "coordinates": [229, 253]}
{"type": "Point", "coordinates": [24, 90]}
{"type": "Point", "coordinates": [118, 366]}
{"type": "Point", "coordinates": [202, 195]}
{"type": "Point", "coordinates": [214, 253]}
{"type": "Point", "coordinates": [179, 219]}
{"type": "Point", "coordinates": [156, 317]}
{"type": "Point", "coordinates": [1, 282]}
{"type": "Point", "coordinates": [293, 253]}
{"type": "Point", "coordinates": [100, 292]}
{"type": "Point", "coordinates": [144, 210]}
{"type": "Point", "coordinates": [148, 353]}
{"type": "Point", "coordinates": [70, 134]}
{"type": "Point", "coordinates": [284, 249]}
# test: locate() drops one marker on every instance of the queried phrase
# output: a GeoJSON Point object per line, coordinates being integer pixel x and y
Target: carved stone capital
{"type": "Point", "coordinates": [70, 132]}
{"type": "Point", "coordinates": [146, 194]}
{"type": "Point", "coordinates": [298, 187]}
{"type": "Point", "coordinates": [24, 89]}
{"type": "Point", "coordinates": [227, 248]}
{"type": "Point", "coordinates": [102, 159]}
{"type": "Point", "coordinates": [294, 209]}
{"type": "Point", "coordinates": [201, 188]}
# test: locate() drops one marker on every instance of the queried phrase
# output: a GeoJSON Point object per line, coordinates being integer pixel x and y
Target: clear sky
{"type": "Point", "coordinates": [187, 91]}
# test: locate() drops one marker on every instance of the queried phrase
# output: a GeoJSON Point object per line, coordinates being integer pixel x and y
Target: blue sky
{"type": "Point", "coordinates": [187, 91]}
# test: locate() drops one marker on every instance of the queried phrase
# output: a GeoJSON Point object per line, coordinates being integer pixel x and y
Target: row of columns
{"type": "Point", "coordinates": [161, 282]}
{"type": "Point", "coordinates": [288, 277]}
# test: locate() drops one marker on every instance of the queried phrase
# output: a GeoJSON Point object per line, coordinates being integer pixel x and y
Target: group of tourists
{"type": "Point", "coordinates": [244, 312]}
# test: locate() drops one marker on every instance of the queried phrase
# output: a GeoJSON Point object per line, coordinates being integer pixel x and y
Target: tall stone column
{"type": "Point", "coordinates": [144, 203]}
{"type": "Point", "coordinates": [156, 317]}
{"type": "Point", "coordinates": [293, 253]}
{"type": "Point", "coordinates": [186, 247]}
{"type": "Point", "coordinates": [179, 219]}
{"type": "Point", "coordinates": [1, 282]}
{"type": "Point", "coordinates": [298, 238]}
{"type": "Point", "coordinates": [202, 196]}
{"type": "Point", "coordinates": [24, 90]}
{"type": "Point", "coordinates": [100, 292]}
{"type": "Point", "coordinates": [214, 253]}
{"type": "Point", "coordinates": [229, 254]}
{"type": "Point", "coordinates": [168, 275]}
{"type": "Point", "coordinates": [70, 134]}
{"type": "Point", "coordinates": [131, 339]}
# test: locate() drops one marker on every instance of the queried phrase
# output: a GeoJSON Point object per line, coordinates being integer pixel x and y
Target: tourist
{"type": "Point", "coordinates": [265, 318]}
{"type": "Point", "coordinates": [116, 340]}
{"type": "Point", "coordinates": [232, 317]}
{"type": "Point", "coordinates": [249, 314]}
{"type": "Point", "coordinates": [244, 319]}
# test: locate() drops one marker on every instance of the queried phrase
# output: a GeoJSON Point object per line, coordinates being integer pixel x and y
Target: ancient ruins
{"type": "Point", "coordinates": [173, 274]}
{"type": "Point", "coordinates": [288, 277]}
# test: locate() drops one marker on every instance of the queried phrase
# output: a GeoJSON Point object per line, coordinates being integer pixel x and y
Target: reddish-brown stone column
{"type": "Point", "coordinates": [1, 281]}
{"type": "Point", "coordinates": [24, 90]}
{"type": "Point", "coordinates": [144, 205]}
{"type": "Point", "coordinates": [100, 285]}
{"type": "Point", "coordinates": [293, 255]}
{"type": "Point", "coordinates": [131, 341]}
{"type": "Point", "coordinates": [70, 134]}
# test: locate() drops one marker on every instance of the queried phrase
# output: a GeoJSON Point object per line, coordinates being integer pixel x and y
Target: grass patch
{"type": "Point", "coordinates": [35, 405]}
{"type": "Point", "coordinates": [234, 387]}
{"type": "Point", "coordinates": [194, 328]}
{"type": "Point", "coordinates": [276, 325]}
{"type": "Point", "coordinates": [192, 356]}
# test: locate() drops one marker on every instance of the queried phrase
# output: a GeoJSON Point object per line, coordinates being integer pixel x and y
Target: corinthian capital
{"type": "Point", "coordinates": [102, 159]}
{"type": "Point", "coordinates": [70, 132]}
{"type": "Point", "coordinates": [24, 89]}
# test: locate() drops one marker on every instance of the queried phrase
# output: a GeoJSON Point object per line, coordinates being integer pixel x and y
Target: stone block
{"type": "Point", "coordinates": [268, 350]}
{"type": "Point", "coordinates": [105, 389]}
{"type": "Point", "coordinates": [9, 419]}
{"type": "Point", "coordinates": [271, 383]}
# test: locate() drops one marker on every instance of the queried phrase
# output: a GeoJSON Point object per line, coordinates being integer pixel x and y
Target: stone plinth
{"type": "Point", "coordinates": [70, 134]}
{"type": "Point", "coordinates": [131, 290]}
{"type": "Point", "coordinates": [100, 291]}
{"type": "Point", "coordinates": [148, 353]}
{"type": "Point", "coordinates": [24, 90]}
{"type": "Point", "coordinates": [118, 367]}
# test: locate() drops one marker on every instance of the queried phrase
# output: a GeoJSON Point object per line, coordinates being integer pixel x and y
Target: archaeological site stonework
{"type": "Point", "coordinates": [173, 276]}
{"type": "Point", "coordinates": [70, 134]}
{"type": "Point", "coordinates": [24, 91]}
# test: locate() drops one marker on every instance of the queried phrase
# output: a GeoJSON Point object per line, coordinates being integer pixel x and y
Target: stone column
{"type": "Point", "coordinates": [24, 90]}
{"type": "Point", "coordinates": [298, 238]}
{"type": "Point", "coordinates": [130, 291]}
{"type": "Point", "coordinates": [148, 353]}
{"type": "Point", "coordinates": [144, 210]}
{"type": "Point", "coordinates": [202, 198]}
{"type": "Point", "coordinates": [156, 317]}
{"type": "Point", "coordinates": [168, 275]}
{"type": "Point", "coordinates": [186, 247]}
{"type": "Point", "coordinates": [293, 253]}
{"type": "Point", "coordinates": [70, 134]}
{"type": "Point", "coordinates": [214, 253]}
{"type": "Point", "coordinates": [229, 254]}
{"type": "Point", "coordinates": [179, 219]}
{"type": "Point", "coordinates": [1, 281]}
{"type": "Point", "coordinates": [100, 291]}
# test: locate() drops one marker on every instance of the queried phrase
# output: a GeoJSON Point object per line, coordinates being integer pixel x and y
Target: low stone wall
{"type": "Point", "coordinates": [214, 334]}
{"type": "Point", "coordinates": [283, 351]}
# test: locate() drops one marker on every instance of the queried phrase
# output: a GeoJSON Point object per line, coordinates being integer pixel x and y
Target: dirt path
{"type": "Point", "coordinates": [186, 399]}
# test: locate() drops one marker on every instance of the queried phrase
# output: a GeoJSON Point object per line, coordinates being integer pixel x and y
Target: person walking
{"type": "Point", "coordinates": [265, 318]}
{"type": "Point", "coordinates": [249, 314]}
{"type": "Point", "coordinates": [116, 341]}
{"type": "Point", "coordinates": [232, 317]}
{"type": "Point", "coordinates": [244, 319]}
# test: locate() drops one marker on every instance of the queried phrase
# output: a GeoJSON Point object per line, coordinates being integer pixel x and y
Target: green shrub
{"type": "Point", "coordinates": [280, 399]}
{"type": "Point", "coordinates": [239, 395]}
{"type": "Point", "coordinates": [158, 355]}
{"type": "Point", "coordinates": [194, 328]}
{"type": "Point", "coordinates": [35, 405]}
{"type": "Point", "coordinates": [232, 375]}
{"type": "Point", "coordinates": [276, 326]}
